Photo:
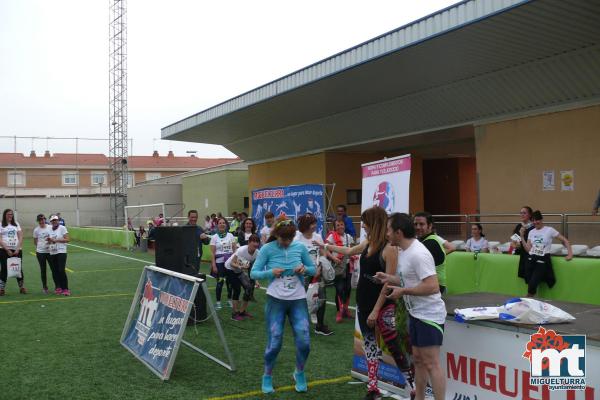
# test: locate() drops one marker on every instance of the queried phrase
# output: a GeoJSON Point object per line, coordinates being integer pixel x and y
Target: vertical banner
{"type": "Point", "coordinates": [385, 184]}
{"type": "Point", "coordinates": [157, 319]}
{"type": "Point", "coordinates": [292, 201]}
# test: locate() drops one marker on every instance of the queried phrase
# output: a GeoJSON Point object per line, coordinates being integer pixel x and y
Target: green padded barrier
{"type": "Point", "coordinates": [576, 280]}
{"type": "Point", "coordinates": [108, 237]}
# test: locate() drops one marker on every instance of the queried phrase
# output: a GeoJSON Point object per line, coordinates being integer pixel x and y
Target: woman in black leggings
{"type": "Point", "coordinates": [41, 233]}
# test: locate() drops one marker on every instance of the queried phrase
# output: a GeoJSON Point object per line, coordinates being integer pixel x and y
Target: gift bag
{"type": "Point", "coordinates": [327, 270]}
{"type": "Point", "coordinates": [14, 267]}
{"type": "Point", "coordinates": [312, 297]}
{"type": "Point", "coordinates": [530, 311]}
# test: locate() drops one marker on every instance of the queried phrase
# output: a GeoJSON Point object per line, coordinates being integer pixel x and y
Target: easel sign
{"type": "Point", "coordinates": [158, 316]}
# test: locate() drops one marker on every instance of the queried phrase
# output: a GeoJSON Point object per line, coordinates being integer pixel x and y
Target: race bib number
{"type": "Point", "coordinates": [537, 250]}
{"type": "Point", "coordinates": [12, 239]}
{"type": "Point", "coordinates": [289, 283]}
{"type": "Point", "coordinates": [227, 247]}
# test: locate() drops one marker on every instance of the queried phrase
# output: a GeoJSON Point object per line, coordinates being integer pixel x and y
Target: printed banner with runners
{"type": "Point", "coordinates": [386, 184]}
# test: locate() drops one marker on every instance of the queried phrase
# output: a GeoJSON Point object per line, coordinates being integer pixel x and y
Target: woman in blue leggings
{"type": "Point", "coordinates": [284, 263]}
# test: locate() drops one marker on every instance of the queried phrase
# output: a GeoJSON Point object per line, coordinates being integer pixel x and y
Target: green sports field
{"type": "Point", "coordinates": [56, 347]}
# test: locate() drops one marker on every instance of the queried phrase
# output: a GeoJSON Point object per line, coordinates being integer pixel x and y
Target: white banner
{"type": "Point", "coordinates": [487, 363]}
{"type": "Point", "coordinates": [386, 184]}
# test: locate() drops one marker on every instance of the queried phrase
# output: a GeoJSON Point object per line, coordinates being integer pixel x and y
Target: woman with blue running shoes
{"type": "Point", "coordinates": [284, 262]}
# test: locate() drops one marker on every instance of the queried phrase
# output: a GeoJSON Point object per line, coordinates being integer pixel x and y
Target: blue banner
{"type": "Point", "coordinates": [154, 333]}
{"type": "Point", "coordinates": [293, 201]}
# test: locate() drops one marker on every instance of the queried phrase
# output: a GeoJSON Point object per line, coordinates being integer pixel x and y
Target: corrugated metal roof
{"type": "Point", "coordinates": [435, 24]}
{"type": "Point", "coordinates": [539, 55]}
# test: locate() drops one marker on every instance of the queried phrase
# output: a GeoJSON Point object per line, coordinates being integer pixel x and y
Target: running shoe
{"type": "Point", "coordinates": [58, 291]}
{"type": "Point", "coordinates": [267, 384]}
{"type": "Point", "coordinates": [246, 314]}
{"type": "Point", "coordinates": [300, 379]}
{"type": "Point", "coordinates": [236, 317]}
{"type": "Point", "coordinates": [66, 292]}
{"type": "Point", "coordinates": [372, 395]}
{"type": "Point", "coordinates": [218, 305]}
{"type": "Point", "coordinates": [338, 317]}
{"type": "Point", "coordinates": [22, 290]}
{"type": "Point", "coordinates": [323, 330]}
{"type": "Point", "coordinates": [347, 314]}
{"type": "Point", "coordinates": [45, 290]}
{"type": "Point", "coordinates": [2, 292]}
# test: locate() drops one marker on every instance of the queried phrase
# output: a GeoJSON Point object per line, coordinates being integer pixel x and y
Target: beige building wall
{"type": "Point", "coordinates": [512, 156]}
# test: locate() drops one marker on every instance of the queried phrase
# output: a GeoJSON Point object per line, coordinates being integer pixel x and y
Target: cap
{"type": "Point", "coordinates": [54, 217]}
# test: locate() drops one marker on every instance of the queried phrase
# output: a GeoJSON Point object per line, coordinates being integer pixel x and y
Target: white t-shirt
{"type": "Point", "coordinates": [541, 240]}
{"type": "Point", "coordinates": [224, 246]}
{"type": "Point", "coordinates": [415, 264]}
{"type": "Point", "coordinates": [313, 250]}
{"type": "Point", "coordinates": [477, 246]}
{"type": "Point", "coordinates": [10, 236]}
{"type": "Point", "coordinates": [42, 234]}
{"type": "Point", "coordinates": [59, 233]}
{"type": "Point", "coordinates": [243, 256]}
{"type": "Point", "coordinates": [347, 241]}
{"type": "Point", "coordinates": [287, 288]}
{"type": "Point", "coordinates": [265, 232]}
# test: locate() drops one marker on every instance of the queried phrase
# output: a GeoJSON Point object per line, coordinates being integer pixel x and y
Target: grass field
{"type": "Point", "coordinates": [57, 347]}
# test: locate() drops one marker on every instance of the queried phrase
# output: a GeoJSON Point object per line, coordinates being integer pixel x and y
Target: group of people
{"type": "Point", "coordinates": [51, 249]}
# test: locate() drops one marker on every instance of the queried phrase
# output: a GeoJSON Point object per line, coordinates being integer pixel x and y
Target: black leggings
{"type": "Point", "coordinates": [233, 280]}
{"type": "Point", "coordinates": [540, 270]}
{"type": "Point", "coordinates": [221, 275]}
{"type": "Point", "coordinates": [58, 264]}
{"type": "Point", "coordinates": [343, 288]}
{"type": "Point", "coordinates": [4, 268]}
{"type": "Point", "coordinates": [44, 258]}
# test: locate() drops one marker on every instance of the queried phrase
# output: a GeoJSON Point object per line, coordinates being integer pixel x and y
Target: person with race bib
{"type": "Point", "coordinates": [538, 246]}
{"type": "Point", "coordinates": [222, 246]}
{"type": "Point", "coordinates": [424, 229]}
{"type": "Point", "coordinates": [57, 246]}
{"type": "Point", "coordinates": [416, 282]}
{"type": "Point", "coordinates": [307, 227]}
{"type": "Point", "coordinates": [519, 238]}
{"type": "Point", "coordinates": [11, 245]}
{"type": "Point", "coordinates": [41, 233]}
{"type": "Point", "coordinates": [237, 268]}
{"type": "Point", "coordinates": [247, 229]}
{"type": "Point", "coordinates": [284, 262]}
{"type": "Point", "coordinates": [341, 263]}
{"type": "Point", "coordinates": [373, 308]}
{"type": "Point", "coordinates": [477, 243]}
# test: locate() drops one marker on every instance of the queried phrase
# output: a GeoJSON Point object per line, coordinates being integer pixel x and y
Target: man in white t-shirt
{"type": "Point", "coordinates": [418, 285]}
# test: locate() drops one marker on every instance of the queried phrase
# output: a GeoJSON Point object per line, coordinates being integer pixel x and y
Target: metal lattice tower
{"type": "Point", "coordinates": [118, 109]}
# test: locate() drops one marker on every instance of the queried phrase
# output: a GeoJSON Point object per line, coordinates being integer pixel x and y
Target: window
{"type": "Point", "coordinates": [353, 196]}
{"type": "Point", "coordinates": [152, 175]}
{"type": "Point", "coordinates": [16, 178]}
{"type": "Point", "coordinates": [98, 178]}
{"type": "Point", "coordinates": [130, 180]}
{"type": "Point", "coordinates": [69, 178]}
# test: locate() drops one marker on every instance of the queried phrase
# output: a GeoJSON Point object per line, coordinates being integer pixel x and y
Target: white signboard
{"type": "Point", "coordinates": [386, 184]}
{"type": "Point", "coordinates": [487, 363]}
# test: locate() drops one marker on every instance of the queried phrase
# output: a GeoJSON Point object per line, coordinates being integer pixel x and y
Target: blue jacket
{"type": "Point", "coordinates": [273, 256]}
{"type": "Point", "coordinates": [349, 226]}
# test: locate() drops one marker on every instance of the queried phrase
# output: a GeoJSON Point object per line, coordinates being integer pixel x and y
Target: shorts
{"type": "Point", "coordinates": [425, 333]}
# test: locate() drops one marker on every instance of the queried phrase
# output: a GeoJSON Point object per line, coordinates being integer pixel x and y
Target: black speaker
{"type": "Point", "coordinates": [177, 248]}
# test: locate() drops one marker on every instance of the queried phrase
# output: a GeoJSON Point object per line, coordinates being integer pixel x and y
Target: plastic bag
{"type": "Point", "coordinates": [327, 270]}
{"type": "Point", "coordinates": [355, 269]}
{"type": "Point", "coordinates": [312, 297]}
{"type": "Point", "coordinates": [531, 311]}
{"type": "Point", "coordinates": [14, 267]}
{"type": "Point", "coordinates": [475, 313]}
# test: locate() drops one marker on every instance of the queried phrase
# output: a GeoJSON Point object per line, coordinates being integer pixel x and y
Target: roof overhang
{"type": "Point", "coordinates": [464, 65]}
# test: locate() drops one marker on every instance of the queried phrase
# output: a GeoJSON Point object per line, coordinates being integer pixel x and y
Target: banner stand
{"type": "Point", "coordinates": [126, 341]}
{"type": "Point", "coordinates": [213, 314]}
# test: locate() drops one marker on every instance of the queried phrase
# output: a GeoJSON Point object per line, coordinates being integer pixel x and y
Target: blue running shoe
{"type": "Point", "coordinates": [267, 384]}
{"type": "Point", "coordinates": [300, 379]}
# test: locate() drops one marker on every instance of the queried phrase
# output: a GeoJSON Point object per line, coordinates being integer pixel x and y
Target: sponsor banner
{"type": "Point", "coordinates": [154, 332]}
{"type": "Point", "coordinates": [488, 363]}
{"type": "Point", "coordinates": [386, 184]}
{"type": "Point", "coordinates": [292, 201]}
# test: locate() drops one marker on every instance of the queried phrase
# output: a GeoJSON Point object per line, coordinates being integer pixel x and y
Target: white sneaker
{"type": "Point", "coordinates": [313, 318]}
{"type": "Point", "coordinates": [218, 305]}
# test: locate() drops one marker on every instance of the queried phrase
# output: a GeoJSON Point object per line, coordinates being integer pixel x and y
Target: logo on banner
{"type": "Point", "coordinates": [557, 361]}
{"type": "Point", "coordinates": [385, 197]}
{"type": "Point", "coordinates": [148, 307]}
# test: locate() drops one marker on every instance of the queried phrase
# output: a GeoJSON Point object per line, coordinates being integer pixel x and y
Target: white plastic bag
{"type": "Point", "coordinates": [312, 297]}
{"type": "Point", "coordinates": [354, 266]}
{"type": "Point", "coordinates": [327, 270]}
{"type": "Point", "coordinates": [14, 267]}
{"type": "Point", "coordinates": [475, 313]}
{"type": "Point", "coordinates": [531, 311]}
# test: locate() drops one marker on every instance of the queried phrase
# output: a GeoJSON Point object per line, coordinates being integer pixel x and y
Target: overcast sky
{"type": "Point", "coordinates": [184, 56]}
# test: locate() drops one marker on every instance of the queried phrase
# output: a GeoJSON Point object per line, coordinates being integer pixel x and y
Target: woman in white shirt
{"type": "Point", "coordinates": [41, 233]}
{"type": "Point", "coordinates": [477, 243]}
{"type": "Point", "coordinates": [237, 268]}
{"type": "Point", "coordinates": [57, 245]}
{"type": "Point", "coordinates": [11, 243]}
{"type": "Point", "coordinates": [538, 246]}
{"type": "Point", "coordinates": [222, 246]}
{"type": "Point", "coordinates": [343, 275]}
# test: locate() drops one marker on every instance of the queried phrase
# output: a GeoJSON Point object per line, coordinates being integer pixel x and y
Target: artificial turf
{"type": "Point", "coordinates": [68, 347]}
